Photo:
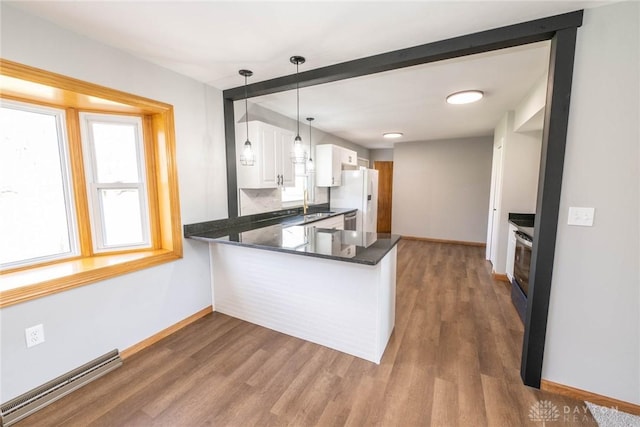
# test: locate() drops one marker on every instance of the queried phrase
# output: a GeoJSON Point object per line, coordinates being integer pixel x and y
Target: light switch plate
{"type": "Point", "coordinates": [581, 216]}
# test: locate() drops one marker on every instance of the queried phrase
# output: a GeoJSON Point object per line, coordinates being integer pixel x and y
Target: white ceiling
{"type": "Point", "coordinates": [412, 100]}
{"type": "Point", "coordinates": [211, 40]}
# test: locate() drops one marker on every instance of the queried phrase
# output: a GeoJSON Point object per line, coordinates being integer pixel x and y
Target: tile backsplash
{"type": "Point", "coordinates": [253, 201]}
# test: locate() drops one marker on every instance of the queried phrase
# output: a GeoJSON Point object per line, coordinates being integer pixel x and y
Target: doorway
{"type": "Point", "coordinates": [562, 31]}
{"type": "Point", "coordinates": [385, 195]}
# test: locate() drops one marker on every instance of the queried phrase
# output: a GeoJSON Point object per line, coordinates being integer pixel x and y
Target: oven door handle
{"type": "Point", "coordinates": [523, 241]}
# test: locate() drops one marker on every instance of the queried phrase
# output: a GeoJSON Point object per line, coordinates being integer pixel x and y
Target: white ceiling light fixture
{"type": "Point", "coordinates": [248, 157]}
{"type": "Point", "coordinates": [392, 135]}
{"type": "Point", "coordinates": [299, 155]}
{"type": "Point", "coordinates": [465, 97]}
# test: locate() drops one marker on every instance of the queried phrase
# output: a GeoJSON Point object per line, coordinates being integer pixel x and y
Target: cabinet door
{"type": "Point", "coordinates": [269, 155]}
{"type": "Point", "coordinates": [324, 165]}
{"type": "Point", "coordinates": [249, 176]}
{"type": "Point", "coordinates": [336, 166]}
{"type": "Point", "coordinates": [349, 157]}
{"type": "Point", "coordinates": [285, 166]}
{"type": "Point", "coordinates": [336, 222]}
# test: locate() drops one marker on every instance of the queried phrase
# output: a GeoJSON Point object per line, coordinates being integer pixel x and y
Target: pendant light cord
{"type": "Point", "coordinates": [246, 108]}
{"type": "Point", "coordinates": [310, 120]}
{"type": "Point", "coordinates": [298, 96]}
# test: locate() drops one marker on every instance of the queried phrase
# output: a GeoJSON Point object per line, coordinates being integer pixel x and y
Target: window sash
{"type": "Point", "coordinates": [65, 177]}
{"type": "Point", "coordinates": [94, 187]}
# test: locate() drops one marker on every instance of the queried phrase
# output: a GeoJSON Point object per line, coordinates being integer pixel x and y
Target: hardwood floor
{"type": "Point", "coordinates": [453, 360]}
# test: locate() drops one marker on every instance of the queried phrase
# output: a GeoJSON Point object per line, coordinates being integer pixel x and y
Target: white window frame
{"type": "Point", "coordinates": [94, 187]}
{"type": "Point", "coordinates": [67, 189]}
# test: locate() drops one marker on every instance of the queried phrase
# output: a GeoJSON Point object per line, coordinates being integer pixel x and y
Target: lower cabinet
{"type": "Point", "coordinates": [336, 222]}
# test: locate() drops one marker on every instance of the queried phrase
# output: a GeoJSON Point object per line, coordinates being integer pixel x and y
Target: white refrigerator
{"type": "Point", "coordinates": [359, 190]}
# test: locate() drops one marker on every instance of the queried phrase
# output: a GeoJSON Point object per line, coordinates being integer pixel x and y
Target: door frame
{"type": "Point", "coordinates": [562, 31]}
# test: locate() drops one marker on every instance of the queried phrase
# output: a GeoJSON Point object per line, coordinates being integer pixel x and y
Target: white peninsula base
{"type": "Point", "coordinates": [346, 306]}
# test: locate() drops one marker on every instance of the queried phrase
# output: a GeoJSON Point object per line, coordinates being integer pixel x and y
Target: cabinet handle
{"type": "Point", "coordinates": [349, 159]}
{"type": "Point", "coordinates": [333, 179]}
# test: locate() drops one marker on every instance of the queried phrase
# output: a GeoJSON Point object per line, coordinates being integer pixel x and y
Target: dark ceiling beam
{"type": "Point", "coordinates": [485, 41]}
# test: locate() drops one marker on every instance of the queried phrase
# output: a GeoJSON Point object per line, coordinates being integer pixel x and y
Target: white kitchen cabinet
{"type": "Point", "coordinates": [336, 222]}
{"type": "Point", "coordinates": [349, 157]}
{"type": "Point", "coordinates": [272, 147]}
{"type": "Point", "coordinates": [511, 250]}
{"type": "Point", "coordinates": [329, 161]}
{"type": "Point", "coordinates": [327, 242]}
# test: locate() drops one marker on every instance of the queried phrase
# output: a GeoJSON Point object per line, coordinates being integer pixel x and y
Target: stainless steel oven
{"type": "Point", "coordinates": [522, 262]}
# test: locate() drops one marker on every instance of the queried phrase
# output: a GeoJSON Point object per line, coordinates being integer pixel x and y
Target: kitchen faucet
{"type": "Point", "coordinates": [305, 202]}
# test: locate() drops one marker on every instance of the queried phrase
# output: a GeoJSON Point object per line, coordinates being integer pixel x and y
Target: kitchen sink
{"type": "Point", "coordinates": [303, 219]}
{"type": "Point", "coordinates": [317, 215]}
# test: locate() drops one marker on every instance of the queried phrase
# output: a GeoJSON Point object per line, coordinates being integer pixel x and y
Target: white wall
{"type": "Point", "coordinates": [441, 188]}
{"type": "Point", "coordinates": [517, 185]}
{"type": "Point", "coordinates": [86, 322]}
{"type": "Point", "coordinates": [593, 336]}
{"type": "Point", "coordinates": [529, 114]}
{"type": "Point", "coordinates": [381, 155]}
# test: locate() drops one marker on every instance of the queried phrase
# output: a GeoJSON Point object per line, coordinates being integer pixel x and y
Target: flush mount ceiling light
{"type": "Point", "coordinates": [310, 165]}
{"type": "Point", "coordinates": [248, 157]}
{"type": "Point", "coordinates": [298, 156]}
{"type": "Point", "coordinates": [392, 135]}
{"type": "Point", "coordinates": [465, 97]}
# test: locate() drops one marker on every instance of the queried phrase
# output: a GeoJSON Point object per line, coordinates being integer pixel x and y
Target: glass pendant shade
{"type": "Point", "coordinates": [299, 155]}
{"type": "Point", "coordinates": [310, 167]}
{"type": "Point", "coordinates": [248, 157]}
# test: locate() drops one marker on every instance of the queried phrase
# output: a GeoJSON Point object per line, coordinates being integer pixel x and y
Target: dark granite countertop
{"type": "Point", "coordinates": [284, 233]}
{"type": "Point", "coordinates": [524, 222]}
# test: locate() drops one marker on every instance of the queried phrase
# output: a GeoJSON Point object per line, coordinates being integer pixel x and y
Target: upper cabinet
{"type": "Point", "coordinates": [349, 157]}
{"type": "Point", "coordinates": [272, 147]}
{"type": "Point", "coordinates": [329, 161]}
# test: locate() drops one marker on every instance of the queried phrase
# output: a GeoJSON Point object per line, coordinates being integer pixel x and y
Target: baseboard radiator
{"type": "Point", "coordinates": [36, 399]}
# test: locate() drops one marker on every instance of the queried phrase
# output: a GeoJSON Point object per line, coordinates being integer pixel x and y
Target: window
{"type": "Point", "coordinates": [303, 180]}
{"type": "Point", "coordinates": [36, 203]}
{"type": "Point", "coordinates": [114, 167]}
{"type": "Point", "coordinates": [88, 183]}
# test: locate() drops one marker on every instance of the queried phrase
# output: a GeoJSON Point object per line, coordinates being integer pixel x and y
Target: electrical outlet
{"type": "Point", "coordinates": [34, 335]}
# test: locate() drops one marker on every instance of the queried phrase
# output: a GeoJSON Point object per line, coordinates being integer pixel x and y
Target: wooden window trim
{"type": "Point", "coordinates": [24, 284]}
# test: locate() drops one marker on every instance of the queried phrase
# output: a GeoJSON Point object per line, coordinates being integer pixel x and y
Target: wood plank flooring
{"type": "Point", "coordinates": [453, 360]}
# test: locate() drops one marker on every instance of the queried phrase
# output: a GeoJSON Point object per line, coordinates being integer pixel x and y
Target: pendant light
{"type": "Point", "coordinates": [248, 157]}
{"type": "Point", "coordinates": [310, 166]}
{"type": "Point", "coordinates": [298, 156]}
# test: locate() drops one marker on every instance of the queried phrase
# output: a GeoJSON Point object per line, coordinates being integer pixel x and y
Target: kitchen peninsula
{"type": "Point", "coordinates": [284, 271]}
